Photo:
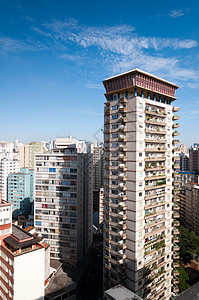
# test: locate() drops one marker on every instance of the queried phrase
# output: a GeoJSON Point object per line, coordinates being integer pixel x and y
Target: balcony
{"type": "Point", "coordinates": [176, 215]}
{"type": "Point", "coordinates": [176, 231]}
{"type": "Point", "coordinates": [175, 238]}
{"type": "Point", "coordinates": [123, 100]}
{"type": "Point", "coordinates": [155, 131]}
{"type": "Point", "coordinates": [122, 148]}
{"type": "Point", "coordinates": [175, 117]}
{"type": "Point", "coordinates": [176, 256]}
{"type": "Point", "coordinates": [122, 109]}
{"type": "Point", "coordinates": [176, 289]}
{"type": "Point", "coordinates": [122, 138]}
{"type": "Point", "coordinates": [154, 140]}
{"type": "Point", "coordinates": [154, 122]}
{"type": "Point", "coordinates": [176, 108]}
{"type": "Point", "coordinates": [122, 216]}
{"type": "Point", "coordinates": [175, 272]}
{"type": "Point", "coordinates": [107, 111]}
{"type": "Point", "coordinates": [122, 157]}
{"type": "Point", "coordinates": [122, 167]}
{"type": "Point", "coordinates": [176, 125]}
{"type": "Point", "coordinates": [155, 112]}
{"type": "Point", "coordinates": [121, 128]}
{"type": "Point", "coordinates": [152, 158]}
{"type": "Point", "coordinates": [176, 247]}
{"type": "Point", "coordinates": [122, 119]}
{"type": "Point", "coordinates": [122, 177]}
{"type": "Point", "coordinates": [156, 149]}
{"type": "Point", "coordinates": [122, 187]}
{"type": "Point", "coordinates": [176, 141]}
{"type": "Point", "coordinates": [175, 133]}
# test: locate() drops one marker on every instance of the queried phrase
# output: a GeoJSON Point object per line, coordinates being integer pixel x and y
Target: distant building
{"type": "Point", "coordinates": [23, 260]}
{"type": "Point", "coordinates": [183, 148]}
{"type": "Point", "coordinates": [27, 153]}
{"type": "Point", "coordinates": [21, 191]}
{"type": "Point", "coordinates": [189, 205]}
{"type": "Point", "coordinates": [193, 158]}
{"type": "Point", "coordinates": [64, 202]}
{"type": "Point", "coordinates": [98, 166]}
{"type": "Point", "coordinates": [184, 162]}
{"type": "Point", "coordinates": [9, 163]}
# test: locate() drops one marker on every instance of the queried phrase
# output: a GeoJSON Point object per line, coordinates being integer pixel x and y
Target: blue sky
{"type": "Point", "coordinates": [55, 54]}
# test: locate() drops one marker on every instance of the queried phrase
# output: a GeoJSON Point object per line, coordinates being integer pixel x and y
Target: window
{"type": "Point", "coordinates": [114, 107]}
{"type": "Point", "coordinates": [140, 184]}
{"type": "Point", "coordinates": [126, 94]}
{"type": "Point", "coordinates": [114, 135]}
{"type": "Point", "coordinates": [140, 154]}
{"type": "Point", "coordinates": [114, 117]}
{"type": "Point", "coordinates": [140, 174]}
{"type": "Point", "coordinates": [140, 164]}
{"type": "Point", "coordinates": [140, 194]}
{"type": "Point", "coordinates": [114, 126]}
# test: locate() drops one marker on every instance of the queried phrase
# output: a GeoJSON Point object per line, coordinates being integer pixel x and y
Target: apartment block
{"type": "Point", "coordinates": [21, 191]}
{"type": "Point", "coordinates": [9, 163]}
{"type": "Point", "coordinates": [139, 211]}
{"type": "Point", "coordinates": [27, 153]}
{"type": "Point", "coordinates": [22, 260]}
{"type": "Point", "coordinates": [64, 202]}
{"type": "Point", "coordinates": [184, 162]}
{"type": "Point", "coordinates": [189, 206]}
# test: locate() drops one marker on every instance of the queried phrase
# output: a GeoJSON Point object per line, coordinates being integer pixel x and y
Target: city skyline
{"type": "Point", "coordinates": [54, 57]}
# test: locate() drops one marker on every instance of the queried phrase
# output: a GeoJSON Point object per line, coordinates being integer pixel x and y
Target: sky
{"type": "Point", "coordinates": [54, 55]}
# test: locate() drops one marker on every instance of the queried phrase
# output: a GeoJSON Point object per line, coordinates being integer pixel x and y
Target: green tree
{"type": "Point", "coordinates": [183, 278]}
{"type": "Point", "coordinates": [189, 245]}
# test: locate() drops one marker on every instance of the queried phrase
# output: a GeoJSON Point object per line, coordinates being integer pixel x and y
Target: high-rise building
{"type": "Point", "coordinates": [27, 153]}
{"type": "Point", "coordinates": [64, 203]}
{"type": "Point", "coordinates": [184, 162]}
{"type": "Point", "coordinates": [9, 163]}
{"type": "Point", "coordinates": [139, 248]}
{"type": "Point", "coordinates": [98, 166]}
{"type": "Point", "coordinates": [21, 191]}
{"type": "Point", "coordinates": [193, 158]}
{"type": "Point", "coordinates": [189, 206]}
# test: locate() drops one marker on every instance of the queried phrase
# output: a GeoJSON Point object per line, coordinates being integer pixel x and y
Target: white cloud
{"type": "Point", "coordinates": [176, 13]}
{"type": "Point", "coordinates": [122, 49]}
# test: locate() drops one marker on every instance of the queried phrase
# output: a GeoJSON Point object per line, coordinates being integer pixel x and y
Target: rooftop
{"type": "Point", "coordinates": [119, 292]}
{"type": "Point", "coordinates": [143, 72]}
{"type": "Point", "coordinates": [20, 238]}
{"type": "Point", "coordinates": [191, 293]}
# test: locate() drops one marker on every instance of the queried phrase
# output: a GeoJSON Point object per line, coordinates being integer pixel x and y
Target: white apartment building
{"type": "Point", "coordinates": [64, 202]}
{"type": "Point", "coordinates": [9, 163]}
{"type": "Point", "coordinates": [139, 248]}
{"type": "Point", "coordinates": [24, 265]}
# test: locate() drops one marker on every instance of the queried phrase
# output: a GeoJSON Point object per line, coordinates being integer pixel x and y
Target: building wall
{"type": "Point", "coordinates": [138, 183]}
{"type": "Point", "coordinates": [19, 193]}
{"type": "Point", "coordinates": [63, 202]}
{"type": "Point", "coordinates": [29, 275]}
{"type": "Point", "coordinates": [7, 166]}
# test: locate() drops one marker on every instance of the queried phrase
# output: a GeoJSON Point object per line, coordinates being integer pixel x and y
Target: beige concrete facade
{"type": "Point", "coordinates": [138, 184]}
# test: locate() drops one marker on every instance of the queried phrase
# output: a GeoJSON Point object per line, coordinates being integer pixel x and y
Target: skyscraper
{"type": "Point", "coordinates": [63, 202]}
{"type": "Point", "coordinates": [138, 205]}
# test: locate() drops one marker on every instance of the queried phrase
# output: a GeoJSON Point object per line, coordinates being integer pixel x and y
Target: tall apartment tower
{"type": "Point", "coordinates": [63, 202]}
{"type": "Point", "coordinates": [138, 205]}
